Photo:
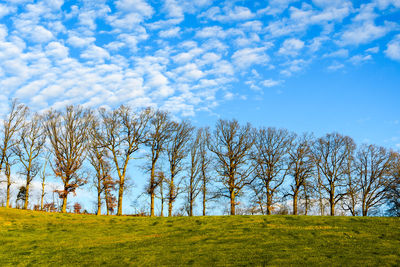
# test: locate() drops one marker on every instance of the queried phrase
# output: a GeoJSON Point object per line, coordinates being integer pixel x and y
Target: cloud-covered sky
{"type": "Point", "coordinates": [317, 66]}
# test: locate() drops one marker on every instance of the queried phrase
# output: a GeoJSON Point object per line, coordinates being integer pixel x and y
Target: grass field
{"type": "Point", "coordinates": [36, 238]}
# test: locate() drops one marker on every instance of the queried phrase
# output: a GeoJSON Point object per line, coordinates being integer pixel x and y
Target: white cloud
{"type": "Point", "coordinates": [291, 47]}
{"type": "Point", "coordinates": [172, 32]}
{"type": "Point", "coordinates": [393, 49]}
{"type": "Point", "coordinates": [270, 83]}
{"type": "Point", "coordinates": [77, 41]}
{"type": "Point", "coordinates": [95, 53]}
{"type": "Point", "coordinates": [228, 13]}
{"type": "Point", "coordinates": [249, 56]}
{"type": "Point", "coordinates": [365, 33]}
{"type": "Point", "coordinates": [359, 59]}
{"type": "Point", "coordinates": [136, 6]}
{"type": "Point", "coordinates": [343, 53]}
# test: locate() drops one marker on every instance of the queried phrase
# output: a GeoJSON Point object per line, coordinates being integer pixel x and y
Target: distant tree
{"type": "Point", "coordinates": [11, 125]}
{"type": "Point", "coordinates": [374, 169]}
{"type": "Point", "coordinates": [68, 136]}
{"type": "Point", "coordinates": [160, 127]}
{"type": "Point", "coordinates": [231, 144]}
{"type": "Point", "coordinates": [271, 162]}
{"type": "Point", "coordinates": [331, 154]}
{"type": "Point", "coordinates": [177, 150]}
{"type": "Point", "coordinates": [125, 131]}
{"type": "Point", "coordinates": [28, 149]}
{"type": "Point", "coordinates": [21, 196]}
{"type": "Point", "coordinates": [77, 208]}
{"type": "Point", "coordinates": [301, 169]}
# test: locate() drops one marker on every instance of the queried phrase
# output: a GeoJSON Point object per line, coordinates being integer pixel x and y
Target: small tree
{"type": "Point", "coordinates": [77, 208]}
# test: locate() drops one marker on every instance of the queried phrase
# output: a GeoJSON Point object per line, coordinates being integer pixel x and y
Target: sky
{"type": "Point", "coordinates": [308, 66]}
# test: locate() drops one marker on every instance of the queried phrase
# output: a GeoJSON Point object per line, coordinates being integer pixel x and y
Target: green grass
{"type": "Point", "coordinates": [36, 238]}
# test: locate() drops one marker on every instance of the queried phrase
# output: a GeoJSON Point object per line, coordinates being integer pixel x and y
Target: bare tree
{"type": "Point", "coordinates": [158, 135]}
{"type": "Point", "coordinates": [193, 187]}
{"type": "Point", "coordinates": [12, 123]}
{"type": "Point", "coordinates": [350, 200]}
{"type": "Point", "coordinates": [270, 158]}
{"type": "Point", "coordinates": [205, 164]}
{"type": "Point", "coordinates": [43, 181]}
{"type": "Point", "coordinates": [31, 142]}
{"type": "Point", "coordinates": [392, 195]}
{"type": "Point", "coordinates": [99, 160]}
{"type": "Point", "coordinates": [125, 131]}
{"type": "Point", "coordinates": [231, 144]}
{"type": "Point", "coordinates": [331, 154]}
{"type": "Point", "coordinates": [68, 135]}
{"type": "Point", "coordinates": [177, 151]}
{"type": "Point", "coordinates": [301, 169]}
{"type": "Point", "coordinates": [374, 169]}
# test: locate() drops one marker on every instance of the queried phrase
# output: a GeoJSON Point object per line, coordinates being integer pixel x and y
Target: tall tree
{"type": "Point", "coordinates": [43, 180]}
{"type": "Point", "coordinates": [68, 135]}
{"type": "Point", "coordinates": [205, 164]}
{"type": "Point", "coordinates": [125, 131]}
{"type": "Point", "coordinates": [158, 135]}
{"type": "Point", "coordinates": [393, 193]}
{"type": "Point", "coordinates": [177, 151]}
{"type": "Point", "coordinates": [193, 186]}
{"type": "Point", "coordinates": [301, 168]}
{"type": "Point", "coordinates": [31, 142]}
{"type": "Point", "coordinates": [12, 123]}
{"type": "Point", "coordinates": [99, 159]}
{"type": "Point", "coordinates": [231, 144]}
{"type": "Point", "coordinates": [271, 160]}
{"type": "Point", "coordinates": [374, 169]}
{"type": "Point", "coordinates": [331, 154]}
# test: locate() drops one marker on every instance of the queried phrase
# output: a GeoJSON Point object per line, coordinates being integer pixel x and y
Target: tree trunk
{"type": "Point", "coordinates": [120, 195]}
{"type": "Point", "coordinates": [295, 195]}
{"type": "Point", "coordinates": [26, 196]}
{"type": "Point", "coordinates": [191, 207]}
{"type": "Point", "coordinates": [204, 198]}
{"type": "Point", "coordinates": [8, 195]}
{"type": "Point", "coordinates": [42, 196]}
{"type": "Point", "coordinates": [233, 203]}
{"type": "Point", "coordinates": [332, 203]}
{"type": "Point", "coordinates": [152, 189]}
{"type": "Point", "coordinates": [171, 196]}
{"type": "Point", "coordinates": [98, 202]}
{"type": "Point", "coordinates": [64, 205]}
{"type": "Point", "coordinates": [269, 203]}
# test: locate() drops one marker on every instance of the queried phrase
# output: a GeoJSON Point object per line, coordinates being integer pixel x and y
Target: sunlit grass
{"type": "Point", "coordinates": [36, 238]}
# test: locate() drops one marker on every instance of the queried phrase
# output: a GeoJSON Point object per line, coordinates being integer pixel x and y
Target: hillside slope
{"type": "Point", "coordinates": [36, 238]}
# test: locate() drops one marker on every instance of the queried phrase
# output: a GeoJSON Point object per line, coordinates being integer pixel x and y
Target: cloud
{"type": "Point", "coordinates": [247, 57]}
{"type": "Point", "coordinates": [270, 83]}
{"type": "Point", "coordinates": [228, 13]}
{"type": "Point", "coordinates": [291, 47]}
{"type": "Point", "coordinates": [172, 32]}
{"type": "Point", "coordinates": [393, 48]}
{"type": "Point", "coordinates": [359, 59]}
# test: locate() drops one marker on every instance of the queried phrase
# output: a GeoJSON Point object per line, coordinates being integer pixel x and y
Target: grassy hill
{"type": "Point", "coordinates": [36, 238]}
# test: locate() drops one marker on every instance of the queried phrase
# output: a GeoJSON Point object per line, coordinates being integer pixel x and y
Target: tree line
{"type": "Point", "coordinates": [267, 166]}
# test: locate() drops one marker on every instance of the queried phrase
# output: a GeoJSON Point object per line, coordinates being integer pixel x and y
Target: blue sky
{"type": "Point", "coordinates": [315, 66]}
